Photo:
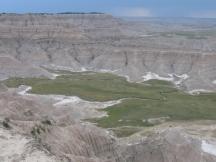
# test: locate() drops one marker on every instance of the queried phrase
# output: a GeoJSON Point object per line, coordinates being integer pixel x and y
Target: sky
{"type": "Point", "coordinates": [128, 8]}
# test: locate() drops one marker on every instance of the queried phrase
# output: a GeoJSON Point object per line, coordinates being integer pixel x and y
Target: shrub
{"type": "Point", "coordinates": [5, 123]}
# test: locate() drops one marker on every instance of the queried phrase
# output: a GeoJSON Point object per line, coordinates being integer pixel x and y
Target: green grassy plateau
{"type": "Point", "coordinates": [142, 101]}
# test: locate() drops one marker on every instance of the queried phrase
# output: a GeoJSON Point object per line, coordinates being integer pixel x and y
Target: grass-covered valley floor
{"type": "Point", "coordinates": [143, 104]}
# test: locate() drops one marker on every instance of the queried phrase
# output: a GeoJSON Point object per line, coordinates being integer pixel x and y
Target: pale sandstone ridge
{"type": "Point", "coordinates": [101, 42]}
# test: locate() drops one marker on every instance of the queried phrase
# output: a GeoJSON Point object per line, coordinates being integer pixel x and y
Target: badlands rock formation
{"type": "Point", "coordinates": [51, 128]}
{"type": "Point", "coordinates": [30, 42]}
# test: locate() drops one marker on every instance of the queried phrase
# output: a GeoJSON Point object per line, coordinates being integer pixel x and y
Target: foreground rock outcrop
{"type": "Point", "coordinates": [34, 129]}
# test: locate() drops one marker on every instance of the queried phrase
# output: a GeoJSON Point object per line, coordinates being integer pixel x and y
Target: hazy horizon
{"type": "Point", "coordinates": [120, 8]}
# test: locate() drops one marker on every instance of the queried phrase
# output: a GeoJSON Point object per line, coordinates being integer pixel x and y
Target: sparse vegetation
{"type": "Point", "coordinates": [189, 34]}
{"type": "Point", "coordinates": [37, 130]}
{"type": "Point", "coordinates": [46, 122]}
{"type": "Point", "coordinates": [6, 124]}
{"type": "Point", "coordinates": [125, 131]}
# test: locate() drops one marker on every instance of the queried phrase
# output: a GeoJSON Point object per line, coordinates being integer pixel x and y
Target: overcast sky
{"type": "Point", "coordinates": [149, 8]}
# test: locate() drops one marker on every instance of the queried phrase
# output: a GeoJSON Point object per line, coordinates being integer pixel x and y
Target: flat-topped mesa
{"type": "Point", "coordinates": [82, 13]}
{"type": "Point", "coordinates": [57, 26]}
{"type": "Point", "coordinates": [48, 18]}
{"type": "Point", "coordinates": [61, 13]}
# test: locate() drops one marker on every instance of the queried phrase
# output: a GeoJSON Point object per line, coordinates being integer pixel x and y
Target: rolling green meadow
{"type": "Point", "coordinates": [140, 101]}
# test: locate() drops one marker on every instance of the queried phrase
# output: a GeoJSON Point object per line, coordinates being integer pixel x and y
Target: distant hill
{"type": "Point", "coordinates": [80, 13]}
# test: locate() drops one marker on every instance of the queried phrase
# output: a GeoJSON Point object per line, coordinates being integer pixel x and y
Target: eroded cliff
{"type": "Point", "coordinates": [100, 42]}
